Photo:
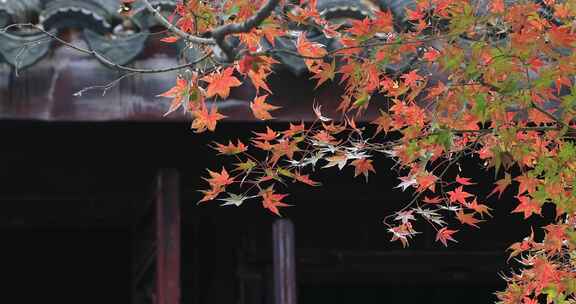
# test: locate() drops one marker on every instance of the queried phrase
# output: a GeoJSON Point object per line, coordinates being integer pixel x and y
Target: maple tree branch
{"type": "Point", "coordinates": [538, 107]}
{"type": "Point", "coordinates": [174, 29]}
{"type": "Point", "coordinates": [106, 87]}
{"type": "Point", "coordinates": [450, 163]}
{"type": "Point", "coordinates": [337, 50]}
{"type": "Point", "coordinates": [219, 34]}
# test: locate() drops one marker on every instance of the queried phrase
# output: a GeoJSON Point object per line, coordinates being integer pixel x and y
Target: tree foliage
{"type": "Point", "coordinates": [505, 97]}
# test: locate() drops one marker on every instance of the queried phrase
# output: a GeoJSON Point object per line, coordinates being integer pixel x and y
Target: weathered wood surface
{"type": "Point", "coordinates": [46, 91]}
{"type": "Point", "coordinates": [168, 233]}
{"type": "Point", "coordinates": [284, 262]}
{"type": "Point", "coordinates": [156, 249]}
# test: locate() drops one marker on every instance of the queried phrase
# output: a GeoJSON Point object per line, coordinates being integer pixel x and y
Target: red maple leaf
{"type": "Point", "coordinates": [362, 29]}
{"type": "Point", "coordinates": [431, 55]}
{"type": "Point", "coordinates": [170, 39]}
{"type": "Point", "coordinates": [432, 200]}
{"type": "Point", "coordinates": [458, 195]}
{"type": "Point", "coordinates": [268, 136]}
{"type": "Point", "coordinates": [411, 78]}
{"type": "Point", "coordinates": [261, 109]}
{"type": "Point", "coordinates": [384, 21]}
{"type": "Point", "coordinates": [561, 36]}
{"type": "Point", "coordinates": [219, 83]}
{"type": "Point", "coordinates": [528, 206]}
{"type": "Point", "coordinates": [444, 235]}
{"type": "Point", "coordinates": [497, 6]}
{"type": "Point", "coordinates": [464, 181]}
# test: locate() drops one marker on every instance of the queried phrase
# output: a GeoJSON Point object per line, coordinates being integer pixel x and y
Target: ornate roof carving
{"type": "Point", "coordinates": [122, 38]}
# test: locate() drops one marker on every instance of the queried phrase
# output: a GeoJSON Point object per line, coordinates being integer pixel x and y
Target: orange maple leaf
{"type": "Point", "coordinates": [383, 122]}
{"type": "Point", "coordinates": [363, 166]}
{"type": "Point", "coordinates": [501, 185]}
{"type": "Point", "coordinates": [294, 129]}
{"type": "Point", "coordinates": [219, 180]}
{"type": "Point", "coordinates": [426, 181]}
{"type": "Point", "coordinates": [272, 201]}
{"type": "Point", "coordinates": [522, 246]}
{"type": "Point", "coordinates": [210, 194]}
{"type": "Point", "coordinates": [306, 180]}
{"type": "Point", "coordinates": [230, 149]}
{"type": "Point", "coordinates": [306, 48]}
{"type": "Point", "coordinates": [284, 148]}
{"type": "Point", "coordinates": [219, 83]}
{"type": "Point", "coordinates": [479, 208]}
{"type": "Point", "coordinates": [526, 183]}
{"type": "Point", "coordinates": [261, 109]}
{"type": "Point", "coordinates": [271, 31]}
{"type": "Point", "coordinates": [206, 120]}
{"type": "Point", "coordinates": [468, 218]}
{"type": "Point", "coordinates": [324, 72]}
{"type": "Point", "coordinates": [258, 80]}
{"type": "Point", "coordinates": [178, 93]}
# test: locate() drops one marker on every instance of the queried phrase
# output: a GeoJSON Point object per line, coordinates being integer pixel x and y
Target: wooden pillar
{"type": "Point", "coordinates": [284, 267]}
{"type": "Point", "coordinates": [168, 236]}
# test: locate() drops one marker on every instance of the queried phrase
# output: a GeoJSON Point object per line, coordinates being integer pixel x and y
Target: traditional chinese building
{"type": "Point", "coordinates": [98, 189]}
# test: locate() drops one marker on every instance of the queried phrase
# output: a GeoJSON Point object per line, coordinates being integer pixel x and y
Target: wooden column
{"type": "Point", "coordinates": [168, 236]}
{"type": "Point", "coordinates": [284, 267]}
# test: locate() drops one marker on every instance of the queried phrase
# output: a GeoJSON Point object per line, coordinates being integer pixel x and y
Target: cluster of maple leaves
{"type": "Point", "coordinates": [505, 95]}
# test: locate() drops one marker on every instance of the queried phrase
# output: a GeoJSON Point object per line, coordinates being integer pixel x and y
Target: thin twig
{"type": "Point", "coordinates": [174, 29]}
{"type": "Point", "coordinates": [107, 62]}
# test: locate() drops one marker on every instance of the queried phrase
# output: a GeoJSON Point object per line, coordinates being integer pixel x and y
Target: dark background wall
{"type": "Point", "coordinates": [70, 192]}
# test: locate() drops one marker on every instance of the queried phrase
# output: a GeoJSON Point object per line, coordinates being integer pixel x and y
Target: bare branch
{"type": "Point", "coordinates": [105, 88]}
{"type": "Point", "coordinates": [107, 62]}
{"type": "Point", "coordinates": [174, 29]}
